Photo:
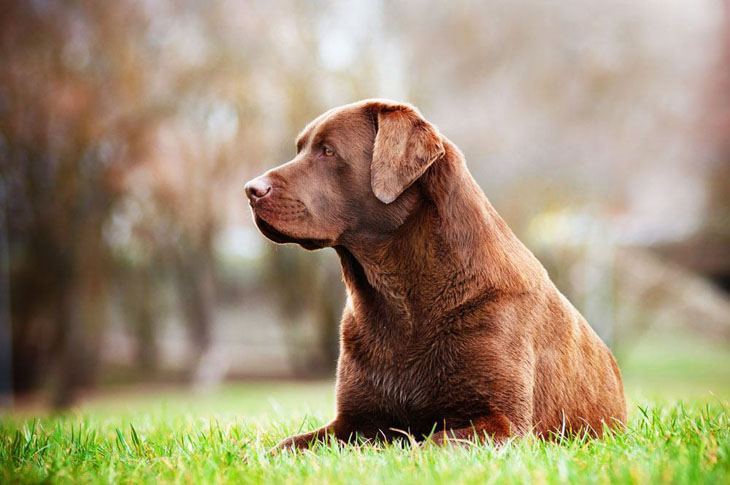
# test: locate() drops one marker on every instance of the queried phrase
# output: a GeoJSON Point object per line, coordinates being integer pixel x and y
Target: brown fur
{"type": "Point", "coordinates": [451, 325]}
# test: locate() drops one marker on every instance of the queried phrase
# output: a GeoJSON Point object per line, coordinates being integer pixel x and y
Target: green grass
{"type": "Point", "coordinates": [679, 432]}
{"type": "Point", "coordinates": [225, 436]}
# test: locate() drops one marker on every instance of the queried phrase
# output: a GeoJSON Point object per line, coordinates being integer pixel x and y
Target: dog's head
{"type": "Point", "coordinates": [352, 174]}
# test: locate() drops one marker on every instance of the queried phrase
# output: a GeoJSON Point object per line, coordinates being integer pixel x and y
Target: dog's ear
{"type": "Point", "coordinates": [405, 146]}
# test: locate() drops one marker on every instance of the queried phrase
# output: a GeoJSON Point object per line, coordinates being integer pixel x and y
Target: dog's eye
{"type": "Point", "coordinates": [328, 152]}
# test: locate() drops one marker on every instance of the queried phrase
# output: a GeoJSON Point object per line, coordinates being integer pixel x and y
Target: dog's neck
{"type": "Point", "coordinates": [452, 249]}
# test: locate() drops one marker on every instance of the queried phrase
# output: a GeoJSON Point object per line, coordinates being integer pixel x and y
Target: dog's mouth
{"type": "Point", "coordinates": [281, 238]}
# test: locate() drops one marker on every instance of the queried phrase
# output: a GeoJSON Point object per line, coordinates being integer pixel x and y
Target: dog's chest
{"type": "Point", "coordinates": [406, 378]}
{"type": "Point", "coordinates": [403, 385]}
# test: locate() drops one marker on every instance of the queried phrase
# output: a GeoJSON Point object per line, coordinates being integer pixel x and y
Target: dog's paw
{"type": "Point", "coordinates": [438, 439]}
{"type": "Point", "coordinates": [443, 438]}
{"type": "Point", "coordinates": [294, 443]}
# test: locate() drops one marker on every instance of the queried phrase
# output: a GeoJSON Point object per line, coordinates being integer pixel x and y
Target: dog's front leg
{"type": "Point", "coordinates": [342, 429]}
{"type": "Point", "coordinates": [497, 427]}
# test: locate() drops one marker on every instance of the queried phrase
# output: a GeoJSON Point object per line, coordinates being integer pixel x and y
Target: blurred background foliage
{"type": "Point", "coordinates": [600, 131]}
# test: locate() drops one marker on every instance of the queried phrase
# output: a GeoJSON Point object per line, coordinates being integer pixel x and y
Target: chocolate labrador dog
{"type": "Point", "coordinates": [452, 328]}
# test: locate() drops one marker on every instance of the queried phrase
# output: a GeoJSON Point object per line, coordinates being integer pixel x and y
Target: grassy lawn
{"type": "Point", "coordinates": [679, 433]}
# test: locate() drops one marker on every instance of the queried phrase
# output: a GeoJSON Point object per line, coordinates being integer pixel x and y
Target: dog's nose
{"type": "Point", "coordinates": [257, 188]}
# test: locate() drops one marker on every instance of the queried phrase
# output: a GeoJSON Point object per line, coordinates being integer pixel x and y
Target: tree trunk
{"type": "Point", "coordinates": [80, 311]}
{"type": "Point", "coordinates": [196, 290]}
{"type": "Point", "coordinates": [140, 307]}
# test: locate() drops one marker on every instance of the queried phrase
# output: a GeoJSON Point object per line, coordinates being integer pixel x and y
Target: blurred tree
{"type": "Point", "coordinates": [72, 121]}
{"type": "Point", "coordinates": [717, 223]}
{"type": "Point", "coordinates": [49, 162]}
